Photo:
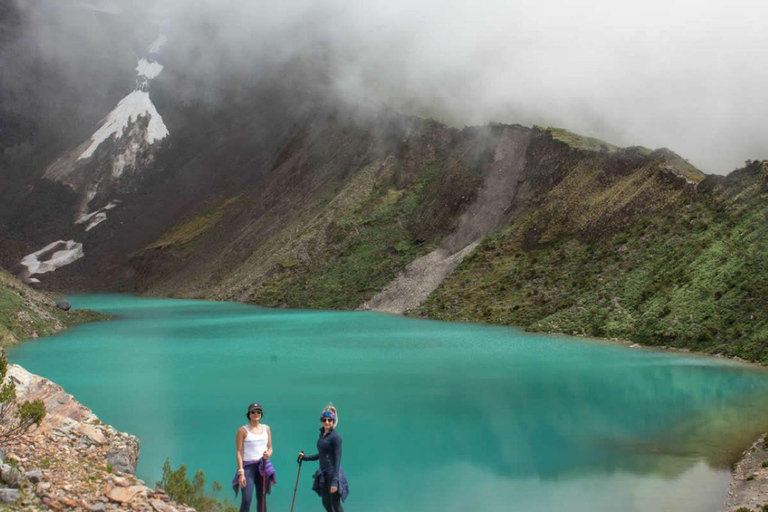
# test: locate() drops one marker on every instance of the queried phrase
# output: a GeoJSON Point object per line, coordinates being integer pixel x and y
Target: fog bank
{"type": "Point", "coordinates": [680, 74]}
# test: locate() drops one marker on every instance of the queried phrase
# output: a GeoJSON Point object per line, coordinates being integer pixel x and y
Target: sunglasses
{"type": "Point", "coordinates": [323, 420]}
{"type": "Point", "coordinates": [256, 411]}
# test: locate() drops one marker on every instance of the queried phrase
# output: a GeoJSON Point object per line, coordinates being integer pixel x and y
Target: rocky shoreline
{"type": "Point", "coordinates": [749, 487]}
{"type": "Point", "coordinates": [72, 461]}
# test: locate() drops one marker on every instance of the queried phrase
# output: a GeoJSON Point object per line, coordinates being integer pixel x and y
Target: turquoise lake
{"type": "Point", "coordinates": [434, 416]}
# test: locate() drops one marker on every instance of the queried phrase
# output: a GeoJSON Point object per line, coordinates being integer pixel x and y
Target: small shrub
{"type": "Point", "coordinates": [744, 509]}
{"type": "Point", "coordinates": [178, 487]}
{"type": "Point", "coordinates": [15, 418]}
{"type": "Point", "coordinates": [765, 464]}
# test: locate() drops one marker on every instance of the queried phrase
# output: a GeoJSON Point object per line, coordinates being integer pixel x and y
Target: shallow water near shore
{"type": "Point", "coordinates": [434, 416]}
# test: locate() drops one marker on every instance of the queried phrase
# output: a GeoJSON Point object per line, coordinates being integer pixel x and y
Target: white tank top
{"type": "Point", "coordinates": [254, 445]}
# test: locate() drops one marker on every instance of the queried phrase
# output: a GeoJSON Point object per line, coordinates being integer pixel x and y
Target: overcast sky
{"type": "Point", "coordinates": [691, 76]}
{"type": "Point", "coordinates": [688, 75]}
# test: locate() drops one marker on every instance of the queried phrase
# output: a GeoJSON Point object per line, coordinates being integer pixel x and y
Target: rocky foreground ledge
{"type": "Point", "coordinates": [72, 461]}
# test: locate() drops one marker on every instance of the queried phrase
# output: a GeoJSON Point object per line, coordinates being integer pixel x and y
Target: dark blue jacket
{"type": "Point", "coordinates": [329, 454]}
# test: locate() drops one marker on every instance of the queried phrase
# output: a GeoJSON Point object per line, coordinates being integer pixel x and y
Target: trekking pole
{"type": "Point", "coordinates": [264, 487]}
{"type": "Point", "coordinates": [296, 486]}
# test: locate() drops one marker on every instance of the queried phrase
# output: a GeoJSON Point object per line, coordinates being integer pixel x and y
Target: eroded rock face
{"type": "Point", "coordinates": [68, 418]}
{"type": "Point", "coordinates": [72, 461]}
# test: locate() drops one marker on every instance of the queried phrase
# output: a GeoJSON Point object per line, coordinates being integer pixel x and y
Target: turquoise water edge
{"type": "Point", "coordinates": [434, 416]}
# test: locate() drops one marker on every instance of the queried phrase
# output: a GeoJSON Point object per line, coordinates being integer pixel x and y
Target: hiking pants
{"type": "Point", "coordinates": [331, 502]}
{"type": "Point", "coordinates": [253, 481]}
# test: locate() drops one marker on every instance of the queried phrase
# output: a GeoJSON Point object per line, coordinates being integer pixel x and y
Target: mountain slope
{"type": "Point", "coordinates": [332, 230]}
{"type": "Point", "coordinates": [685, 269]}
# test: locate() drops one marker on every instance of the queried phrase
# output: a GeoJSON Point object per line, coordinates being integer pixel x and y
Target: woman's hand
{"type": "Point", "coordinates": [301, 456]}
{"type": "Point", "coordinates": [267, 454]}
{"type": "Point", "coordinates": [334, 489]}
{"type": "Point", "coordinates": [241, 480]}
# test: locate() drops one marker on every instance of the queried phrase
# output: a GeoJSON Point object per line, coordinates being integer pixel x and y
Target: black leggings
{"type": "Point", "coordinates": [331, 502]}
{"type": "Point", "coordinates": [253, 481]}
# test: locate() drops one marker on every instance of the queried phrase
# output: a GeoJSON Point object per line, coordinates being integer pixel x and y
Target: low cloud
{"type": "Point", "coordinates": [681, 74]}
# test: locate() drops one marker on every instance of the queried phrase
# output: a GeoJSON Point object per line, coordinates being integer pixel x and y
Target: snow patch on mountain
{"type": "Point", "coordinates": [126, 158]}
{"type": "Point", "coordinates": [157, 44]}
{"type": "Point", "coordinates": [96, 220]}
{"type": "Point", "coordinates": [135, 105]}
{"type": "Point", "coordinates": [53, 256]}
{"type": "Point", "coordinates": [149, 69]}
{"type": "Point", "coordinates": [97, 217]}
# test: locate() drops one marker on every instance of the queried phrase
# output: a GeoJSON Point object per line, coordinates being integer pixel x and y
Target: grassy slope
{"type": "Point", "coordinates": [185, 233]}
{"type": "Point", "coordinates": [26, 313]}
{"type": "Point", "coordinates": [363, 245]}
{"type": "Point", "coordinates": [691, 271]}
{"type": "Point", "coordinates": [366, 243]}
{"type": "Point", "coordinates": [577, 141]}
{"type": "Point", "coordinates": [345, 237]}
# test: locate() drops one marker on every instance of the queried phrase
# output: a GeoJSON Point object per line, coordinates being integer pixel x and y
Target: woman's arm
{"type": "Point", "coordinates": [336, 463]}
{"type": "Point", "coordinates": [311, 457]}
{"type": "Point", "coordinates": [239, 440]}
{"type": "Point", "coordinates": [268, 453]}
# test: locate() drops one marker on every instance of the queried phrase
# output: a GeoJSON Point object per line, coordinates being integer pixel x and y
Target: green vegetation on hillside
{"type": "Point", "coordinates": [389, 213]}
{"type": "Point", "coordinates": [599, 240]}
{"type": "Point", "coordinates": [26, 313]}
{"type": "Point", "coordinates": [364, 248]}
{"type": "Point", "coordinates": [577, 141]}
{"type": "Point", "coordinates": [693, 274]}
{"type": "Point", "coordinates": [200, 224]}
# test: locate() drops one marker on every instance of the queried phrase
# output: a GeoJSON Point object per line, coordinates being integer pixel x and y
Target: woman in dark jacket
{"type": "Point", "coordinates": [330, 481]}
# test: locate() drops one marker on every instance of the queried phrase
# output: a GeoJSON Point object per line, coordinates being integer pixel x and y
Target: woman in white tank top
{"type": "Point", "coordinates": [254, 442]}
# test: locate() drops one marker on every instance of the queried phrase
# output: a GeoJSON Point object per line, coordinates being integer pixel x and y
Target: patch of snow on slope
{"type": "Point", "coordinates": [157, 44]}
{"type": "Point", "coordinates": [96, 220]}
{"type": "Point", "coordinates": [127, 157]}
{"type": "Point", "coordinates": [97, 217]}
{"type": "Point", "coordinates": [149, 69]}
{"type": "Point", "coordinates": [130, 108]}
{"type": "Point", "coordinates": [55, 255]}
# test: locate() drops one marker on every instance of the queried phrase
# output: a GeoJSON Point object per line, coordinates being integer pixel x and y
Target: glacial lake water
{"type": "Point", "coordinates": [435, 417]}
